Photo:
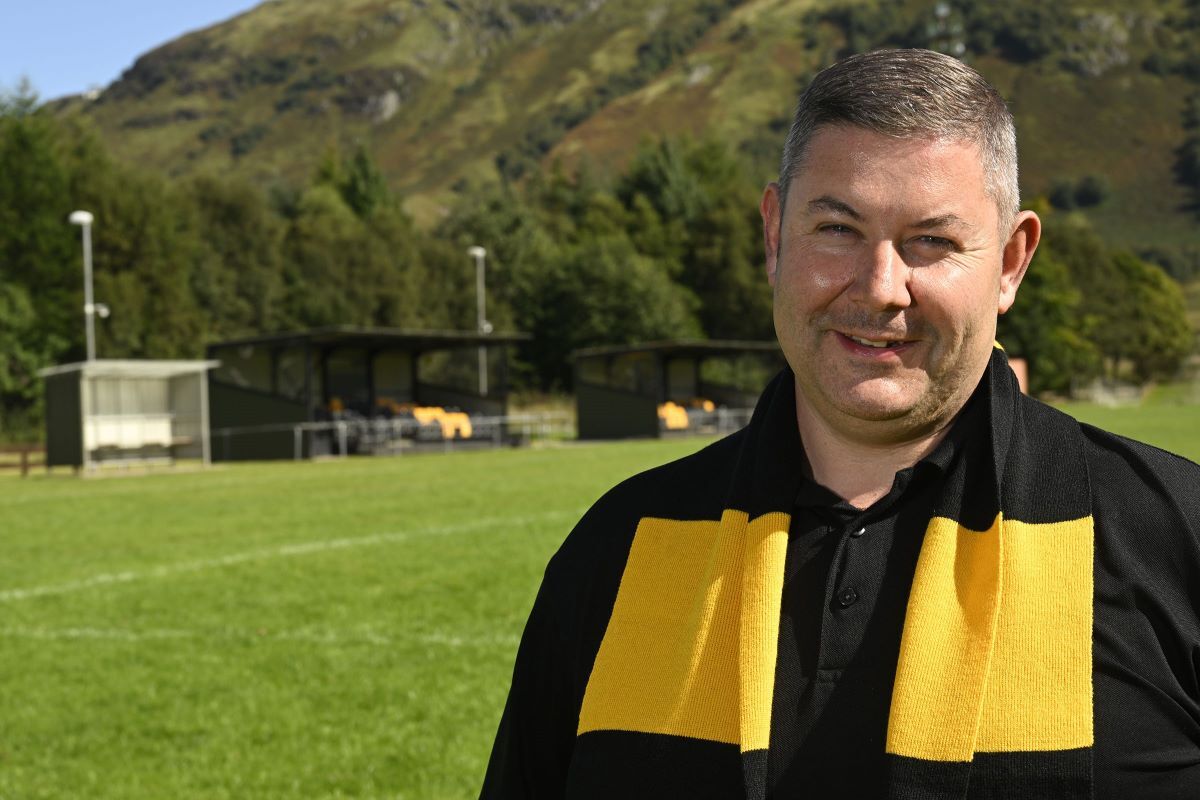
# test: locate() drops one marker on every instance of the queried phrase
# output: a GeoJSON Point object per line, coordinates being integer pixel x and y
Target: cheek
{"type": "Point", "coordinates": [792, 312]}
{"type": "Point", "coordinates": [959, 297]}
{"type": "Point", "coordinates": [815, 273]}
{"type": "Point", "coordinates": [828, 279]}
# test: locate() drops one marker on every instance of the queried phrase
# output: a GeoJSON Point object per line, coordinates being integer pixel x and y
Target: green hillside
{"type": "Point", "coordinates": [455, 93]}
{"type": "Point", "coordinates": [299, 167]}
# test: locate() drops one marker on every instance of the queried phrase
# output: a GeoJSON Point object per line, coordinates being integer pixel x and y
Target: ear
{"type": "Point", "coordinates": [771, 217]}
{"type": "Point", "coordinates": [1018, 252]}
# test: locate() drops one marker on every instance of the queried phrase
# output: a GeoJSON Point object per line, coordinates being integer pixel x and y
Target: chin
{"type": "Point", "coordinates": [875, 412]}
{"type": "Point", "coordinates": [877, 403]}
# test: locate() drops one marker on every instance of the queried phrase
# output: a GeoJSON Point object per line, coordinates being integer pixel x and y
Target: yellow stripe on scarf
{"type": "Point", "coordinates": [996, 654]}
{"type": "Point", "coordinates": [691, 644]}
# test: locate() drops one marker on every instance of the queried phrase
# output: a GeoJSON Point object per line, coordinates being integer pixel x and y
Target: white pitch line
{"type": "Point", "coordinates": [282, 551]}
{"type": "Point", "coordinates": [307, 636]}
{"type": "Point", "coordinates": [107, 634]}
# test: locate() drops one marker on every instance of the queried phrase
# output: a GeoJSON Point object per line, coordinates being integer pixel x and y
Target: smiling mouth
{"type": "Point", "coordinates": [880, 344]}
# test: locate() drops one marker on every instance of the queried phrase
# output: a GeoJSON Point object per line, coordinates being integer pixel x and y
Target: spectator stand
{"type": "Point", "coordinates": [346, 390]}
{"type": "Point", "coordinates": [670, 387]}
{"type": "Point", "coordinates": [107, 413]}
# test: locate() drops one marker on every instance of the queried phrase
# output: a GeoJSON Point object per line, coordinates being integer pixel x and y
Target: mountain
{"type": "Point", "coordinates": [447, 94]}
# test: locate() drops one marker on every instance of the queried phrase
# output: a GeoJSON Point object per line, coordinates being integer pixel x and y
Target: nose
{"type": "Point", "coordinates": [881, 280]}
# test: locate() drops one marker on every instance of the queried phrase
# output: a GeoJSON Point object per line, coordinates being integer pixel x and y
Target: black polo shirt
{"type": "Point", "coordinates": [847, 577]}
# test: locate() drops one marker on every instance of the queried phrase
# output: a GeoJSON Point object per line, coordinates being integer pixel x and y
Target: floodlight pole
{"type": "Point", "coordinates": [481, 324]}
{"type": "Point", "coordinates": [84, 220]}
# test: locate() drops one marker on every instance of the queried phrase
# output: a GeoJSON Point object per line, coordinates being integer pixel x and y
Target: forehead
{"type": "Point", "coordinates": [862, 167]}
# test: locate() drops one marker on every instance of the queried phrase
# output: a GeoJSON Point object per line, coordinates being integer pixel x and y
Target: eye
{"type": "Point", "coordinates": [836, 229]}
{"type": "Point", "coordinates": [933, 245]}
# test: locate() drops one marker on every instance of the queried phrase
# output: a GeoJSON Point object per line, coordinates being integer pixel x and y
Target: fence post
{"type": "Point", "coordinates": [25, 460]}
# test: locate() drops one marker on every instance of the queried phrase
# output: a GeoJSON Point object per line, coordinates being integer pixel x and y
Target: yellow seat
{"type": "Point", "coordinates": [452, 423]}
{"type": "Point", "coordinates": [456, 422]}
{"type": "Point", "coordinates": [674, 416]}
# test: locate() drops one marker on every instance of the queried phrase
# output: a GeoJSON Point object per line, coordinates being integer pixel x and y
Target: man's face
{"type": "Point", "coordinates": [889, 270]}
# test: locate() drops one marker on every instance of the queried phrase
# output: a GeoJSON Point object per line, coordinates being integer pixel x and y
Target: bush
{"type": "Point", "coordinates": [1092, 190]}
{"type": "Point", "coordinates": [1062, 194]}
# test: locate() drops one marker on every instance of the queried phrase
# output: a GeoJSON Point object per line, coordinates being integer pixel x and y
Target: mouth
{"type": "Point", "coordinates": [877, 343]}
{"type": "Point", "coordinates": [875, 347]}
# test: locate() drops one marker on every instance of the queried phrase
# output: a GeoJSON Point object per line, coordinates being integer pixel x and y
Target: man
{"type": "Point", "coordinates": [904, 578]}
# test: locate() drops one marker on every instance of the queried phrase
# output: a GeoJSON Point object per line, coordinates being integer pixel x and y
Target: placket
{"type": "Point", "coordinates": [851, 591]}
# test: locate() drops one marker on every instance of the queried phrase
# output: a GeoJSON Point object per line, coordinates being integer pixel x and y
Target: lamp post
{"type": "Point", "coordinates": [482, 325]}
{"type": "Point", "coordinates": [84, 219]}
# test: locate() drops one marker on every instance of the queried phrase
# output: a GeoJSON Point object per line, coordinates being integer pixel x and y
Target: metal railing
{"type": "Point", "coordinates": [719, 421]}
{"type": "Point", "coordinates": [398, 435]}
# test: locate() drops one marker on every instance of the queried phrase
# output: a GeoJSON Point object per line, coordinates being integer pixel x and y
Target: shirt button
{"type": "Point", "coordinates": [847, 597]}
{"type": "Point", "coordinates": [857, 533]}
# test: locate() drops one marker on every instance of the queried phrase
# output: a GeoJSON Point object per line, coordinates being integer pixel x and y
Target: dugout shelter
{"type": "Point", "coordinates": [269, 388]}
{"type": "Point", "coordinates": [669, 387]}
{"type": "Point", "coordinates": [111, 411]}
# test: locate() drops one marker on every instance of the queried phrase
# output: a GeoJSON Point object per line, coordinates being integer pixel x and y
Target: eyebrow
{"type": "Point", "coordinates": [831, 204]}
{"type": "Point", "coordinates": [942, 221]}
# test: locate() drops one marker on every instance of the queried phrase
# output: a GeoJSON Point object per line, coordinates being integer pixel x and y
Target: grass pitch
{"type": "Point", "coordinates": [1163, 421]}
{"type": "Point", "coordinates": [326, 630]}
{"type": "Point", "coordinates": [337, 629]}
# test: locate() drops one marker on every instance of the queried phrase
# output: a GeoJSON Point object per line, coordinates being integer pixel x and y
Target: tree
{"type": "Point", "coordinates": [238, 276]}
{"type": "Point", "coordinates": [408, 294]}
{"type": "Point", "coordinates": [691, 207]}
{"type": "Point", "coordinates": [1143, 319]}
{"type": "Point", "coordinates": [1047, 326]}
{"type": "Point", "coordinates": [725, 270]}
{"type": "Point", "coordinates": [357, 178]}
{"type": "Point", "coordinates": [39, 250]}
{"type": "Point", "coordinates": [1135, 314]}
{"type": "Point", "coordinates": [23, 351]}
{"type": "Point", "coordinates": [598, 291]}
{"type": "Point", "coordinates": [145, 255]}
{"type": "Point", "coordinates": [568, 271]}
{"type": "Point", "coordinates": [363, 186]}
{"type": "Point", "coordinates": [326, 253]}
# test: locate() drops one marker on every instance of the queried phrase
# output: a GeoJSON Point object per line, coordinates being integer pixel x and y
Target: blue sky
{"type": "Point", "coordinates": [67, 46]}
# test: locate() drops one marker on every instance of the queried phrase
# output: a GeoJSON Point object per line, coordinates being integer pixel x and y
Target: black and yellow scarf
{"type": "Point", "coordinates": [993, 690]}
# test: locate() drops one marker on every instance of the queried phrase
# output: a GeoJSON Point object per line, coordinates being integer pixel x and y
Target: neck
{"type": "Point", "coordinates": [859, 470]}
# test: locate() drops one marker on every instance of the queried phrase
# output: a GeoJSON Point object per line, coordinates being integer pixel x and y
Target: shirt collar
{"type": "Point", "coordinates": [932, 467]}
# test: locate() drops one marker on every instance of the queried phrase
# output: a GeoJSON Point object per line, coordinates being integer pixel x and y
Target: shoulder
{"type": "Point", "coordinates": [1146, 512]}
{"type": "Point", "coordinates": [1120, 467]}
{"type": "Point", "coordinates": [1142, 497]}
{"type": "Point", "coordinates": [692, 487]}
{"type": "Point", "coordinates": [1125, 470]}
{"type": "Point", "coordinates": [582, 579]}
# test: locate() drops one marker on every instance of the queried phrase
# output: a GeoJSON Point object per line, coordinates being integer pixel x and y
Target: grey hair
{"type": "Point", "coordinates": [910, 94]}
